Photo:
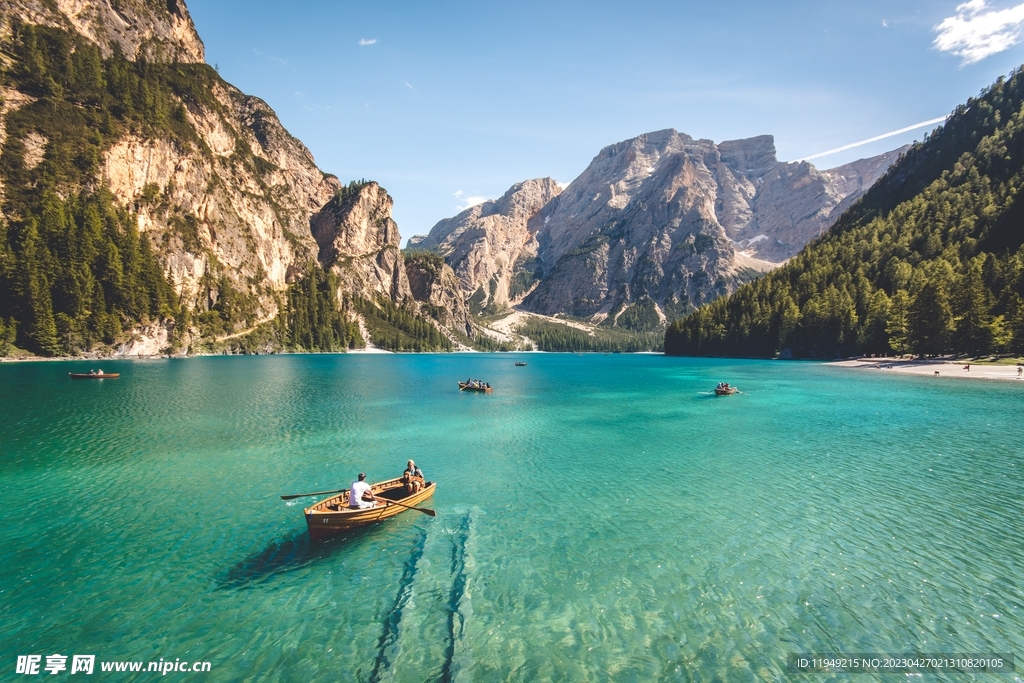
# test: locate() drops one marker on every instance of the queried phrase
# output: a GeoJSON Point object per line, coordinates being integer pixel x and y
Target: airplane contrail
{"type": "Point", "coordinates": [874, 139]}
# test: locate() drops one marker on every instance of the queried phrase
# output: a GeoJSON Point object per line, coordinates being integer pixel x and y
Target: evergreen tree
{"type": "Point", "coordinates": [930, 320]}
{"type": "Point", "coordinates": [898, 322]}
{"type": "Point", "coordinates": [973, 333]}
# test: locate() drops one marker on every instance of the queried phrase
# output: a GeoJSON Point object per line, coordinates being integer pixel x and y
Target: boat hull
{"type": "Point", "coordinates": [324, 522]}
{"type": "Point", "coordinates": [469, 387]}
{"type": "Point", "coordinates": [726, 392]}
{"type": "Point", "coordinates": [85, 375]}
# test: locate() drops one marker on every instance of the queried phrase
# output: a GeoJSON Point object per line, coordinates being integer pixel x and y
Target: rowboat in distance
{"type": "Point", "coordinates": [94, 375]}
{"type": "Point", "coordinates": [333, 515]}
{"type": "Point", "coordinates": [475, 385]}
{"type": "Point", "coordinates": [520, 364]}
{"type": "Point", "coordinates": [723, 389]}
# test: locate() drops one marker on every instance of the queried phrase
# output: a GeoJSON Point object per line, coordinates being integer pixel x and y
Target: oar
{"type": "Point", "coordinates": [318, 493]}
{"type": "Point", "coordinates": [426, 511]}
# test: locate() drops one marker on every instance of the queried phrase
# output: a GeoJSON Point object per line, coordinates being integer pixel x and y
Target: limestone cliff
{"type": "Point", "coordinates": [488, 244]}
{"type": "Point", "coordinates": [228, 199]}
{"type": "Point", "coordinates": [157, 30]}
{"type": "Point", "coordinates": [359, 240]}
{"type": "Point", "coordinates": [434, 284]}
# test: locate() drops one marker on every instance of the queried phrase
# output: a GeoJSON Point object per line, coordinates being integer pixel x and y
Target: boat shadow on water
{"type": "Point", "coordinates": [283, 555]}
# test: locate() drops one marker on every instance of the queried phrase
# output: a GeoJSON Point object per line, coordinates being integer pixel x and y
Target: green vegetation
{"type": "Point", "coordinates": [929, 261]}
{"type": "Point", "coordinates": [396, 328]}
{"type": "Point", "coordinates": [314, 318]}
{"type": "Point", "coordinates": [550, 336]}
{"type": "Point", "coordinates": [75, 273]}
{"type": "Point", "coordinates": [489, 344]}
{"type": "Point", "coordinates": [425, 259]}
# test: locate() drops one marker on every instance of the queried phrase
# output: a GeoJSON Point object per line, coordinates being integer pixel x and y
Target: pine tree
{"type": "Point", "coordinates": [930, 319]}
{"type": "Point", "coordinates": [973, 333]}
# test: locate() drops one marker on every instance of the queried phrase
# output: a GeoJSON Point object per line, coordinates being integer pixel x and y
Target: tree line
{"type": "Point", "coordinates": [929, 261]}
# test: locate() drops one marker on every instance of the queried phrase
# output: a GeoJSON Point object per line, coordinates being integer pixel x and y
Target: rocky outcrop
{"type": "Point", "coordinates": [158, 30]}
{"type": "Point", "coordinates": [359, 240]}
{"type": "Point", "coordinates": [434, 284]}
{"type": "Point", "coordinates": [487, 245]}
{"type": "Point", "coordinates": [216, 213]}
{"type": "Point", "coordinates": [784, 206]}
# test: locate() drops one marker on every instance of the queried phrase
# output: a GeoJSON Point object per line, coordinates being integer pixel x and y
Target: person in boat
{"type": "Point", "coordinates": [360, 495]}
{"type": "Point", "coordinates": [412, 478]}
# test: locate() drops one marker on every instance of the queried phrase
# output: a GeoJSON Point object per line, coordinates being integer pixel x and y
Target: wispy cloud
{"type": "Point", "coordinates": [410, 86]}
{"type": "Point", "coordinates": [270, 57]}
{"type": "Point", "coordinates": [468, 200]}
{"type": "Point", "coordinates": [367, 41]}
{"type": "Point", "coordinates": [977, 32]}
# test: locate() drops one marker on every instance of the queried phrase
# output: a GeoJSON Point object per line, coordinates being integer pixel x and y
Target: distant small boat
{"type": "Point", "coordinates": [520, 364]}
{"type": "Point", "coordinates": [475, 385]}
{"type": "Point", "coordinates": [94, 375]}
{"type": "Point", "coordinates": [725, 390]}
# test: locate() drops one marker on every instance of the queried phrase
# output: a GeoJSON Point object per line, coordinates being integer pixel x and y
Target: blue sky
{"type": "Point", "coordinates": [445, 103]}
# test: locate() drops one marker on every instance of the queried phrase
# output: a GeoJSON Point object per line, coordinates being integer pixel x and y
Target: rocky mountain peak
{"type": "Point", "coordinates": [157, 30]}
{"type": "Point", "coordinates": [752, 157]}
{"type": "Point", "coordinates": [487, 244]}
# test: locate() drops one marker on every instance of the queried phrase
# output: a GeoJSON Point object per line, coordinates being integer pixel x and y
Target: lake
{"type": "Point", "coordinates": [600, 517]}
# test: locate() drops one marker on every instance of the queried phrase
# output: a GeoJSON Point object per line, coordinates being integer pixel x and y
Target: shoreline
{"type": "Point", "coordinates": [938, 368]}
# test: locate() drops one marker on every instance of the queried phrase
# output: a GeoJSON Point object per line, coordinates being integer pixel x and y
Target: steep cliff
{"type": "Point", "coordinates": [157, 30]}
{"type": "Point", "coordinates": [108, 104]}
{"type": "Point", "coordinates": [490, 244]}
{"type": "Point", "coordinates": [434, 284]}
{"type": "Point", "coordinates": [359, 241]}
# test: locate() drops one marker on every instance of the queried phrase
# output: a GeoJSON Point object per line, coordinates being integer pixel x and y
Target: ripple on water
{"type": "Point", "coordinates": [600, 517]}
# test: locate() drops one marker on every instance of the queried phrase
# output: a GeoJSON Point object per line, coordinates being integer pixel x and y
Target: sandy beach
{"type": "Point", "coordinates": [931, 368]}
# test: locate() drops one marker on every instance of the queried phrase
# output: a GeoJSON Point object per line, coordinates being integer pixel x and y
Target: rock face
{"type": "Point", "coordinates": [215, 213]}
{"type": "Point", "coordinates": [487, 245]}
{"type": "Point", "coordinates": [662, 217]}
{"type": "Point", "coordinates": [234, 207]}
{"type": "Point", "coordinates": [435, 285]}
{"type": "Point", "coordinates": [158, 30]}
{"type": "Point", "coordinates": [358, 239]}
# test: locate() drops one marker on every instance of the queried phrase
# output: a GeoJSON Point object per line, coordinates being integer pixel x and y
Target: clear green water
{"type": "Point", "coordinates": [599, 517]}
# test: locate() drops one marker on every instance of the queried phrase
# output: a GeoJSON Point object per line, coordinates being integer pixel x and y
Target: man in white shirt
{"type": "Point", "coordinates": [360, 490]}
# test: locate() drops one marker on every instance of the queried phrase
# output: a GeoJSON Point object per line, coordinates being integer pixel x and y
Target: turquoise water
{"type": "Point", "coordinates": [599, 517]}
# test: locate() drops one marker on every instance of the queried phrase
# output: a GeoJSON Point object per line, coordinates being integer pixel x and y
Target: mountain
{"type": "Point", "coordinates": [149, 206]}
{"type": "Point", "coordinates": [489, 244]}
{"type": "Point", "coordinates": [929, 260]}
{"type": "Point", "coordinates": [660, 223]}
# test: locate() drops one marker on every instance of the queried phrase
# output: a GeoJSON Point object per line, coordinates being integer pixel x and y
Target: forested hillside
{"type": "Point", "coordinates": [929, 261]}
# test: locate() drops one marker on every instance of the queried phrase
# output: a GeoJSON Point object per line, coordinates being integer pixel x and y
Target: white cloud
{"type": "Point", "coordinates": [885, 24]}
{"type": "Point", "coordinates": [977, 32]}
{"type": "Point", "coordinates": [367, 41]}
{"type": "Point", "coordinates": [468, 200]}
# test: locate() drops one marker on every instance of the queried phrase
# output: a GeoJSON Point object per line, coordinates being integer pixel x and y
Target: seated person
{"type": "Point", "coordinates": [412, 478]}
{"type": "Point", "coordinates": [360, 496]}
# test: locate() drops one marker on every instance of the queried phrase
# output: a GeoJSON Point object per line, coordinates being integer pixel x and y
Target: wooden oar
{"type": "Point", "coordinates": [318, 493]}
{"type": "Point", "coordinates": [426, 511]}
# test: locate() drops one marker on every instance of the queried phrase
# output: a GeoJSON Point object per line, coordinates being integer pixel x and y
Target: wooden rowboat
{"type": "Point", "coordinates": [726, 391]}
{"type": "Point", "coordinates": [466, 386]}
{"type": "Point", "coordinates": [332, 515]}
{"type": "Point", "coordinates": [87, 375]}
